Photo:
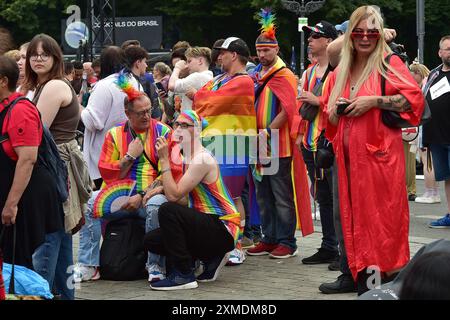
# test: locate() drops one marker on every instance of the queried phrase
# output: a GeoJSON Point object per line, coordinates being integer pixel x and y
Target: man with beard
{"type": "Point", "coordinates": [277, 121]}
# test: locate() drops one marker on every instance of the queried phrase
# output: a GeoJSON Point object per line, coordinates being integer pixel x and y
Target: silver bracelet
{"type": "Point", "coordinates": [129, 157]}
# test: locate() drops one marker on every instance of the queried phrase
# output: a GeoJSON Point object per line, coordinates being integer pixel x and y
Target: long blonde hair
{"type": "Point", "coordinates": [375, 65]}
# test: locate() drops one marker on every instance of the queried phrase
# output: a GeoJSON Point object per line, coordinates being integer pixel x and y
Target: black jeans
{"type": "Point", "coordinates": [324, 196]}
{"type": "Point", "coordinates": [185, 235]}
{"type": "Point", "coordinates": [337, 224]}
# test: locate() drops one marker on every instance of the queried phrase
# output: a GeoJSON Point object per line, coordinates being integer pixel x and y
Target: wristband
{"type": "Point", "coordinates": [129, 157]}
{"type": "Point", "coordinates": [164, 170]}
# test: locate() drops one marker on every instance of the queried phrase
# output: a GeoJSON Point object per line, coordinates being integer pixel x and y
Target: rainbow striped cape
{"type": "Point", "coordinates": [284, 86]}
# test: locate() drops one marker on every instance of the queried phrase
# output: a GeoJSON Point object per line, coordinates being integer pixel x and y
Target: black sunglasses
{"type": "Point", "coordinates": [182, 125]}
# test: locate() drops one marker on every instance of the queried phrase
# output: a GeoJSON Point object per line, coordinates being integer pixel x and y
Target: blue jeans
{"type": "Point", "coordinates": [152, 223]}
{"type": "Point", "coordinates": [91, 232]}
{"type": "Point", "coordinates": [53, 260]}
{"type": "Point", "coordinates": [275, 198]}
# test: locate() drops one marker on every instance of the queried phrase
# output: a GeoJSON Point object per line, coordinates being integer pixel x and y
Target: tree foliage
{"type": "Point", "coordinates": [201, 22]}
{"type": "Point", "coordinates": [24, 18]}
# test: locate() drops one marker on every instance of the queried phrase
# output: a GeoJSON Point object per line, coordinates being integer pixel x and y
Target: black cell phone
{"type": "Point", "coordinates": [160, 86]}
{"type": "Point", "coordinates": [341, 108]}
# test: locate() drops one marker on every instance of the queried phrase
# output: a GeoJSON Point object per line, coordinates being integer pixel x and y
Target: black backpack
{"type": "Point", "coordinates": [48, 156]}
{"type": "Point", "coordinates": [122, 256]}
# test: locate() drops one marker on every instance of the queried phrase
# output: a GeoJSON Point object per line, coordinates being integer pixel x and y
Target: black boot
{"type": "Point", "coordinates": [361, 281]}
{"type": "Point", "coordinates": [321, 256]}
{"type": "Point", "coordinates": [335, 265]}
{"type": "Point", "coordinates": [343, 284]}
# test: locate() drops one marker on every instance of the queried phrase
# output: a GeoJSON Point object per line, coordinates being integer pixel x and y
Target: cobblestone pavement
{"type": "Point", "coordinates": [258, 278]}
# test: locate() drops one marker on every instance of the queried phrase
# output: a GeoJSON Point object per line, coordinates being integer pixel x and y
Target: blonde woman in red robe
{"type": "Point", "coordinates": [369, 155]}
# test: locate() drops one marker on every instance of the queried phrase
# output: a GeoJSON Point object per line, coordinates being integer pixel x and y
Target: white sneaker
{"type": "Point", "coordinates": [155, 273]}
{"type": "Point", "coordinates": [85, 273]}
{"type": "Point", "coordinates": [237, 256]}
{"type": "Point", "coordinates": [428, 198]}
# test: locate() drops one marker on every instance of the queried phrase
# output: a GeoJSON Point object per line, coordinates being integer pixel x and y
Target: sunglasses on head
{"type": "Point", "coordinates": [371, 35]}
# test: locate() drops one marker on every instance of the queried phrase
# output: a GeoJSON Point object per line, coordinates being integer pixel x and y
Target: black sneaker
{"type": "Point", "coordinates": [212, 268]}
{"type": "Point", "coordinates": [321, 256]}
{"type": "Point", "coordinates": [343, 284]}
{"type": "Point", "coordinates": [335, 265]}
{"type": "Point", "coordinates": [412, 197]}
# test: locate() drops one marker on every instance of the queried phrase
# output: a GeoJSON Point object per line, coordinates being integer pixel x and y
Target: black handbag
{"type": "Point", "coordinates": [392, 119]}
{"type": "Point", "coordinates": [308, 111]}
{"type": "Point", "coordinates": [324, 155]}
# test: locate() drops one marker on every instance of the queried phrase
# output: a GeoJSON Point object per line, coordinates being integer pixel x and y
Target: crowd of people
{"type": "Point", "coordinates": [227, 154]}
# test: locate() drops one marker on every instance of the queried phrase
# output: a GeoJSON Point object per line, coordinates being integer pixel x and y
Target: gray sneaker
{"type": "Point", "coordinates": [247, 243]}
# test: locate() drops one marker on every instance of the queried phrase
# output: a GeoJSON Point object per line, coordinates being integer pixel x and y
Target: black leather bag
{"type": "Point", "coordinates": [324, 155]}
{"type": "Point", "coordinates": [308, 111]}
{"type": "Point", "coordinates": [392, 119]}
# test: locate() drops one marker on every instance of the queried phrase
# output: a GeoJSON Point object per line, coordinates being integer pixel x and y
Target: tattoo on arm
{"type": "Point", "coordinates": [396, 103]}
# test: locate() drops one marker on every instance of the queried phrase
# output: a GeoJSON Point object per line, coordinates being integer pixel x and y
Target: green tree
{"type": "Point", "coordinates": [201, 22]}
{"type": "Point", "coordinates": [24, 18]}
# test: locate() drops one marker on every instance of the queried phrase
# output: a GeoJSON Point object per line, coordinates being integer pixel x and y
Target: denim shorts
{"type": "Point", "coordinates": [441, 161]}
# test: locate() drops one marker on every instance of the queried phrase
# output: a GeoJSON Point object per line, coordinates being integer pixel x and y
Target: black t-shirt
{"type": "Point", "coordinates": [438, 129]}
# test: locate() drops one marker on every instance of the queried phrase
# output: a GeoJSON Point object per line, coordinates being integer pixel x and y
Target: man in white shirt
{"type": "Point", "coordinates": [198, 61]}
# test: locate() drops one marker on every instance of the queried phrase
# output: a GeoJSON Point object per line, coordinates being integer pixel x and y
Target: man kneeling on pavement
{"type": "Point", "coordinates": [208, 227]}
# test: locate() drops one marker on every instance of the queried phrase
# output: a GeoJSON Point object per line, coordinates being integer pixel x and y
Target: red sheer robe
{"type": "Point", "coordinates": [371, 176]}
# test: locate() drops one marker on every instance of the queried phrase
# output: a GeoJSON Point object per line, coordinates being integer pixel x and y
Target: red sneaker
{"type": "Point", "coordinates": [261, 249]}
{"type": "Point", "coordinates": [282, 252]}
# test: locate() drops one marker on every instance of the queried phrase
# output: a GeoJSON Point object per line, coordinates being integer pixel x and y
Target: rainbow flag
{"type": "Point", "coordinates": [227, 103]}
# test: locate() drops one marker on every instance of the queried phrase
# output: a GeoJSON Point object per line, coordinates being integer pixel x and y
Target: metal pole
{"type": "Point", "coordinates": [420, 4]}
{"type": "Point", "coordinates": [302, 53]}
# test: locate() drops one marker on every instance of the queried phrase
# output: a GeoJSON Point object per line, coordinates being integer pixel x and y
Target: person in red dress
{"type": "Point", "coordinates": [370, 161]}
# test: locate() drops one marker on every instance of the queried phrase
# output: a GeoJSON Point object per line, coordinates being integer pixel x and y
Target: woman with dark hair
{"type": "Point", "coordinates": [27, 190]}
{"type": "Point", "coordinates": [60, 111]}
{"type": "Point", "coordinates": [427, 278]}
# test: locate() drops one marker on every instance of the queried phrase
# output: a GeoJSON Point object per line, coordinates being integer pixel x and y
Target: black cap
{"type": "Point", "coordinates": [323, 27]}
{"type": "Point", "coordinates": [235, 45]}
